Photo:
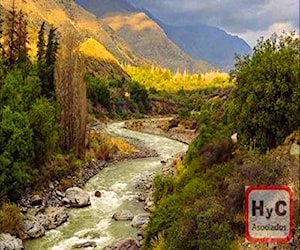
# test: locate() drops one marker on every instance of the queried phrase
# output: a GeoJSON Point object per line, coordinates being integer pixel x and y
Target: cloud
{"type": "Point", "coordinates": [241, 17]}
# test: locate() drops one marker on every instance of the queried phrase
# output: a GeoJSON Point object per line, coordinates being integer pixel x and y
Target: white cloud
{"type": "Point", "coordinates": [251, 36]}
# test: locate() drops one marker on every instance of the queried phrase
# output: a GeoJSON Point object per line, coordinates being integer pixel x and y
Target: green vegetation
{"type": "Point", "coordinates": [116, 97]}
{"type": "Point", "coordinates": [266, 101]}
{"type": "Point", "coordinates": [165, 80]}
{"type": "Point", "coordinates": [32, 113]}
{"type": "Point", "coordinates": [202, 206]}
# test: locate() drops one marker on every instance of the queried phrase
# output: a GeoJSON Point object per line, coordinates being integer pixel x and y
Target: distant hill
{"type": "Point", "coordinates": [206, 42]}
{"type": "Point", "coordinates": [144, 36]}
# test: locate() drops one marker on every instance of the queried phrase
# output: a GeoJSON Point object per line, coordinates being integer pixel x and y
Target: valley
{"type": "Point", "coordinates": [119, 129]}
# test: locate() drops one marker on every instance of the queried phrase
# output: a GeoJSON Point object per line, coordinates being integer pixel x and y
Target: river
{"type": "Point", "coordinates": [117, 185]}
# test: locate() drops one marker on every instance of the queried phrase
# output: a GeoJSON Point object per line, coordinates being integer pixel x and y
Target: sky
{"type": "Point", "coordinates": [249, 19]}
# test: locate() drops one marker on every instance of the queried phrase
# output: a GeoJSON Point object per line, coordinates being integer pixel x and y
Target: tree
{"type": "Point", "coordinates": [266, 101]}
{"type": "Point", "coordinates": [71, 94]}
{"type": "Point", "coordinates": [46, 59]}
{"type": "Point", "coordinates": [15, 37]}
{"type": "Point", "coordinates": [41, 47]}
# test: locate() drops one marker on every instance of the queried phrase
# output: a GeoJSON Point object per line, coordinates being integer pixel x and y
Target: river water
{"type": "Point", "coordinates": [117, 186]}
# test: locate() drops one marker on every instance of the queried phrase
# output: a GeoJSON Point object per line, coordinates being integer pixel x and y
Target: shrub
{"type": "Point", "coordinates": [10, 219]}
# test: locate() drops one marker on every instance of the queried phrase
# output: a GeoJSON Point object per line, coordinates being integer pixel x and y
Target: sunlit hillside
{"type": "Point", "coordinates": [164, 79]}
{"type": "Point", "coordinates": [149, 40]}
{"type": "Point", "coordinates": [68, 16]}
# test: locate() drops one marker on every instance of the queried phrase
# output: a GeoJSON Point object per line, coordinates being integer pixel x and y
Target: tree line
{"type": "Point", "coordinates": [42, 102]}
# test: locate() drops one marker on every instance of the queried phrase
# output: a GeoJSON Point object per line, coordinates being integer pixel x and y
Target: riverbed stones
{"type": "Point", "coordinates": [32, 229]}
{"type": "Point", "coordinates": [84, 245]}
{"type": "Point", "coordinates": [128, 244]}
{"type": "Point", "coordinates": [56, 216]}
{"type": "Point", "coordinates": [140, 220]}
{"type": "Point", "coordinates": [36, 200]}
{"type": "Point", "coordinates": [77, 197]}
{"type": "Point", "coordinates": [9, 242]}
{"type": "Point", "coordinates": [124, 215]}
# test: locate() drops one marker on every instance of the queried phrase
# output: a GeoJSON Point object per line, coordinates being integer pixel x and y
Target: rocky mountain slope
{"type": "Point", "coordinates": [143, 35]}
{"type": "Point", "coordinates": [199, 41]}
{"type": "Point", "coordinates": [67, 16]}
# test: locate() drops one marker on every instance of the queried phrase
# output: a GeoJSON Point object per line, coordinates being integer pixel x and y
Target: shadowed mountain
{"type": "Point", "coordinates": [206, 42]}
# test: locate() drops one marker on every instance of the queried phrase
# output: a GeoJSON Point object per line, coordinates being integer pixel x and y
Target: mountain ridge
{"type": "Point", "coordinates": [199, 41]}
{"type": "Point", "coordinates": [145, 37]}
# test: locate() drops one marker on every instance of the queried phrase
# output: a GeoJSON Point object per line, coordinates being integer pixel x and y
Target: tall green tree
{"type": "Point", "coordinates": [266, 101]}
{"type": "Point", "coordinates": [46, 58]}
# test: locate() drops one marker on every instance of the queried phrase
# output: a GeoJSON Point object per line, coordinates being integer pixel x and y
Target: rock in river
{"type": "Point", "coordinates": [76, 197]}
{"type": "Point", "coordinates": [32, 229]}
{"type": "Point", "coordinates": [123, 215]}
{"type": "Point", "coordinates": [140, 220]}
{"type": "Point", "coordinates": [9, 242]}
{"type": "Point", "coordinates": [56, 216]}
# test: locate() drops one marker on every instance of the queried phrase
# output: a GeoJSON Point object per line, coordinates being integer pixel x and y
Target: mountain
{"type": "Point", "coordinates": [205, 42]}
{"type": "Point", "coordinates": [143, 35]}
{"type": "Point", "coordinates": [68, 17]}
{"type": "Point", "coordinates": [208, 43]}
{"type": "Point", "coordinates": [199, 41]}
{"type": "Point", "coordinates": [103, 7]}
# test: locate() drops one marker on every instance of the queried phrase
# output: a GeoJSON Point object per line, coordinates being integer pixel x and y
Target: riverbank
{"type": "Point", "coordinates": [182, 130]}
{"type": "Point", "coordinates": [116, 185]}
{"type": "Point", "coordinates": [47, 208]}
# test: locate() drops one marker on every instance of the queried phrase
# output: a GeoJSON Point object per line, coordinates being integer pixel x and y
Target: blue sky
{"type": "Point", "coordinates": [249, 19]}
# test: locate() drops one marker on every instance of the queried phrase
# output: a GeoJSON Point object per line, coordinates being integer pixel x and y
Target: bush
{"type": "Point", "coordinates": [139, 94]}
{"type": "Point", "coordinates": [16, 150]}
{"type": "Point", "coordinates": [266, 101]}
{"type": "Point", "coordinates": [10, 219]}
{"type": "Point", "coordinates": [44, 123]}
{"type": "Point", "coordinates": [98, 91]}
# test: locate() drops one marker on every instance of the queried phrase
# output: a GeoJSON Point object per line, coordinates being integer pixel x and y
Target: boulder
{"type": "Point", "coordinates": [36, 200]}
{"type": "Point", "coordinates": [9, 242]}
{"type": "Point", "coordinates": [60, 194]}
{"type": "Point", "coordinates": [76, 197]}
{"type": "Point", "coordinates": [234, 138]}
{"type": "Point", "coordinates": [32, 229]}
{"type": "Point", "coordinates": [84, 245]}
{"type": "Point", "coordinates": [128, 244]}
{"type": "Point", "coordinates": [56, 216]}
{"type": "Point", "coordinates": [140, 220]}
{"type": "Point", "coordinates": [124, 215]}
{"type": "Point", "coordinates": [98, 194]}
